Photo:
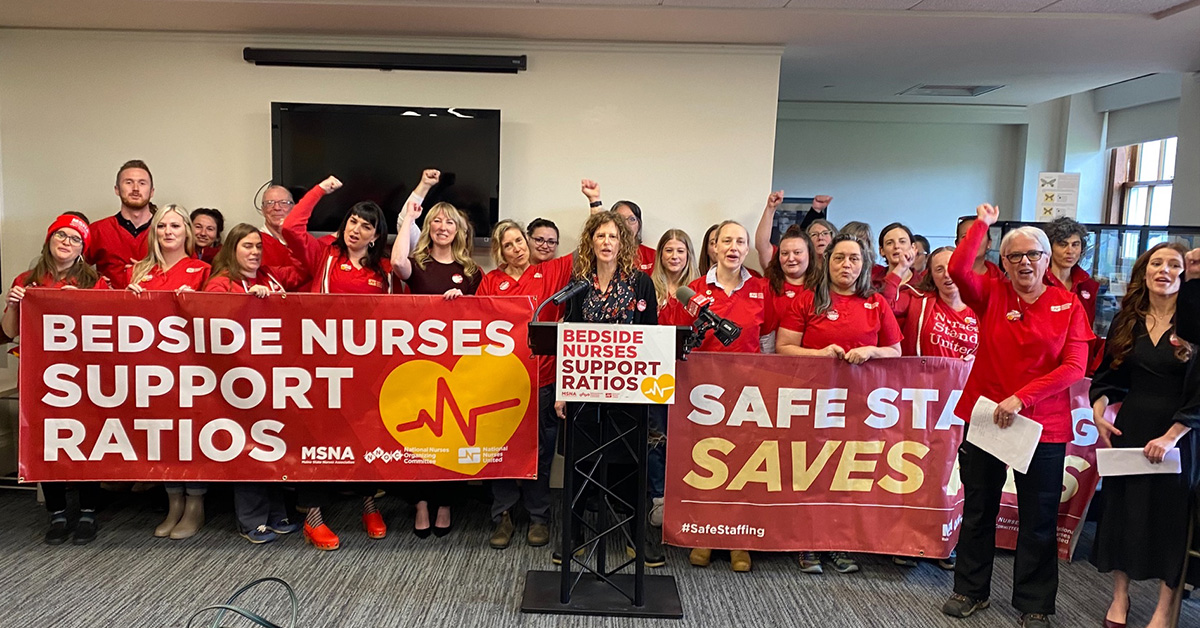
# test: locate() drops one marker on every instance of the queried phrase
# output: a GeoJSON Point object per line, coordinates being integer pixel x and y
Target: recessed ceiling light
{"type": "Point", "coordinates": [958, 91]}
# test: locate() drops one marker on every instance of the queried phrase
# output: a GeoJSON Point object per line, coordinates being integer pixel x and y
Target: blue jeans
{"type": "Point", "coordinates": [656, 456]}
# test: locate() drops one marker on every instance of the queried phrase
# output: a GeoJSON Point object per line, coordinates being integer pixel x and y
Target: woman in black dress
{"type": "Point", "coordinates": [441, 264]}
{"type": "Point", "coordinates": [1142, 533]}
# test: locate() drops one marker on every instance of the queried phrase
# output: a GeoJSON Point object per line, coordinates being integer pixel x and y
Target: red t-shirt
{"type": "Point", "coordinates": [646, 258]}
{"type": "Point", "coordinates": [746, 307]}
{"type": "Point", "coordinates": [188, 271]}
{"type": "Point", "coordinates": [1034, 351]}
{"type": "Point", "coordinates": [331, 271]}
{"type": "Point", "coordinates": [539, 281]}
{"type": "Point", "coordinates": [777, 304]}
{"type": "Point", "coordinates": [283, 279]}
{"type": "Point", "coordinates": [930, 326]}
{"type": "Point", "coordinates": [672, 313]}
{"type": "Point", "coordinates": [933, 328]}
{"type": "Point", "coordinates": [112, 250]}
{"type": "Point", "coordinates": [850, 322]}
{"type": "Point", "coordinates": [101, 284]}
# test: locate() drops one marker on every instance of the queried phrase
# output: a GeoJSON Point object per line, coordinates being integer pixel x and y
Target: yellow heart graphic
{"type": "Point", "coordinates": [456, 419]}
{"type": "Point", "coordinates": [658, 389]}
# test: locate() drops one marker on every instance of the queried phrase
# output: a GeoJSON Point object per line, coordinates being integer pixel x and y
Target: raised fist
{"type": "Point", "coordinates": [988, 213]}
{"type": "Point", "coordinates": [774, 200]}
{"type": "Point", "coordinates": [431, 177]}
{"type": "Point", "coordinates": [331, 184]}
{"type": "Point", "coordinates": [590, 189]}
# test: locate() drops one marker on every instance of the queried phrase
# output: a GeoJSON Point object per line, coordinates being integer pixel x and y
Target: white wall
{"type": "Point", "coordinates": [1185, 197]}
{"type": "Point", "coordinates": [686, 131]}
{"type": "Point", "coordinates": [925, 174]}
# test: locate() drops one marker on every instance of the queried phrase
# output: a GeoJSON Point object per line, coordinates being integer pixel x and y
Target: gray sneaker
{"type": "Point", "coordinates": [1035, 620]}
{"type": "Point", "coordinates": [810, 562]}
{"type": "Point", "coordinates": [842, 563]}
{"type": "Point", "coordinates": [961, 606]}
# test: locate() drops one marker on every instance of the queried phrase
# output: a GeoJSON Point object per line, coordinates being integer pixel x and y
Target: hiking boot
{"type": "Point", "coordinates": [961, 606]}
{"type": "Point", "coordinates": [810, 562]}
{"type": "Point", "coordinates": [842, 563]}
{"type": "Point", "coordinates": [503, 533]}
{"type": "Point", "coordinates": [538, 535]}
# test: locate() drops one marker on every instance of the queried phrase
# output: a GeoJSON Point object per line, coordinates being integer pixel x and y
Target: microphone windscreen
{"type": "Point", "coordinates": [684, 294]}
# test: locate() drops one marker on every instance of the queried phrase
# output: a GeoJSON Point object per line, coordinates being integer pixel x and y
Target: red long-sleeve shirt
{"type": "Point", "coordinates": [539, 281]}
{"type": "Point", "coordinates": [1033, 351]}
{"type": "Point", "coordinates": [331, 271]}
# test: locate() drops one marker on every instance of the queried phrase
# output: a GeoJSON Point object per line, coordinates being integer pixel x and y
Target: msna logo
{"type": "Point", "coordinates": [476, 405]}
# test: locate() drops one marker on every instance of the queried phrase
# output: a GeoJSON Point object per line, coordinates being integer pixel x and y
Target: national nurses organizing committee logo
{"type": "Point", "coordinates": [458, 419]}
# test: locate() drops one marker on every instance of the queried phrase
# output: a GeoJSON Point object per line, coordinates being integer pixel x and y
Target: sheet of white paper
{"type": "Point", "coordinates": [1132, 461]}
{"type": "Point", "coordinates": [1012, 445]}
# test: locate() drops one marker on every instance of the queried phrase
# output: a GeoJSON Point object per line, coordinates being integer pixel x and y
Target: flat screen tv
{"type": "Point", "coordinates": [379, 153]}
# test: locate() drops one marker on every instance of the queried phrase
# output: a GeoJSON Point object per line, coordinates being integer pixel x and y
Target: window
{"type": "Point", "coordinates": [1142, 183]}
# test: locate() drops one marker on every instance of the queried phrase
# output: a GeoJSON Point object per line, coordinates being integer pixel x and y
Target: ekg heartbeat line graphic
{"type": "Point", "coordinates": [468, 425]}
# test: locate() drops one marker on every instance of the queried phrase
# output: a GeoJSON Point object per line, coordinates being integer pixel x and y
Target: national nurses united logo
{"type": "Point", "coordinates": [458, 419]}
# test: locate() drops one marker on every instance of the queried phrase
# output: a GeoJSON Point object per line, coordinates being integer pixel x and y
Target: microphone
{"type": "Point", "coordinates": [568, 291]}
{"type": "Point", "coordinates": [725, 331]}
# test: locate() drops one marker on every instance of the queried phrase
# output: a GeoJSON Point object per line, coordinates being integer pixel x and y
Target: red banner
{"type": "Point", "coordinates": [209, 387]}
{"type": "Point", "coordinates": [779, 453]}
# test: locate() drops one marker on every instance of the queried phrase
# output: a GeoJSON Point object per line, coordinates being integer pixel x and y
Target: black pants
{"type": "Point", "coordinates": [56, 495]}
{"type": "Point", "coordinates": [534, 493]}
{"type": "Point", "coordinates": [1035, 572]}
{"type": "Point", "coordinates": [257, 504]}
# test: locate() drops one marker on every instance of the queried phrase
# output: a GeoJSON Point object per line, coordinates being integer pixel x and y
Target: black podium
{"type": "Point", "coordinates": [586, 584]}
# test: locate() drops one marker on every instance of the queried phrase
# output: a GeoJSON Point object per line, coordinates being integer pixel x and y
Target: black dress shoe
{"type": "Point", "coordinates": [85, 531]}
{"type": "Point", "coordinates": [58, 533]}
{"type": "Point", "coordinates": [422, 534]}
{"type": "Point", "coordinates": [440, 532]}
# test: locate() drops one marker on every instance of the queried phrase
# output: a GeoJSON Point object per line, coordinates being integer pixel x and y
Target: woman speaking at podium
{"type": "Point", "coordinates": [617, 293]}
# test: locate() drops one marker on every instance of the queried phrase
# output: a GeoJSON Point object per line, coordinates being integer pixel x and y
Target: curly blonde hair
{"type": "Point", "coordinates": [460, 247]}
{"type": "Point", "coordinates": [585, 256]}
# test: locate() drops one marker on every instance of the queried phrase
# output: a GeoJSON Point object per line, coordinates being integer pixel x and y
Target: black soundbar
{"type": "Point", "coordinates": [495, 64]}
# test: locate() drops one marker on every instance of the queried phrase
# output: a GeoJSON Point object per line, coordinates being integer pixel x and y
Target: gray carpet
{"type": "Point", "coordinates": [127, 578]}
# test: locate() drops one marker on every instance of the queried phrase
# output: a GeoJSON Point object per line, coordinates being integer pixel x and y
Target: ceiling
{"type": "Point", "coordinates": [834, 50]}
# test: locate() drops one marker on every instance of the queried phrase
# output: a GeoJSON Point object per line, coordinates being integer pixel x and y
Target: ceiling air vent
{"type": "Point", "coordinates": [954, 91]}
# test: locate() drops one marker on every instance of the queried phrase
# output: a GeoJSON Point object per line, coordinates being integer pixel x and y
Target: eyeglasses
{"type": "Point", "coordinates": [819, 234]}
{"type": "Point", "coordinates": [544, 242]}
{"type": "Point", "coordinates": [283, 204]}
{"type": "Point", "coordinates": [1015, 258]}
{"type": "Point", "coordinates": [631, 220]}
{"type": "Point", "coordinates": [63, 236]}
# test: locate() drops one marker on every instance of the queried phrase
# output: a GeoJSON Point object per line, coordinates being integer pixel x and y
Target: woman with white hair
{"type": "Point", "coordinates": [1032, 347]}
